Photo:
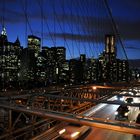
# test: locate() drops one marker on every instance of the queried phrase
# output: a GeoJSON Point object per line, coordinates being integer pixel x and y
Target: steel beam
{"type": "Point", "coordinates": [93, 122]}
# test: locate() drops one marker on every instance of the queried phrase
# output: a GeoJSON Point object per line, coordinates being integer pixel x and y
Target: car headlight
{"type": "Point", "coordinates": [115, 98]}
{"type": "Point", "coordinates": [126, 114]}
{"type": "Point", "coordinates": [62, 131]}
{"type": "Point", "coordinates": [116, 112]}
{"type": "Point", "coordinates": [122, 99]}
{"type": "Point", "coordinates": [75, 134]}
{"type": "Point", "coordinates": [125, 101]}
{"type": "Point", "coordinates": [131, 93]}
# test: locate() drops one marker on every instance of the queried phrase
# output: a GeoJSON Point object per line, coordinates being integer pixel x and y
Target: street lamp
{"type": "Point", "coordinates": [94, 87]}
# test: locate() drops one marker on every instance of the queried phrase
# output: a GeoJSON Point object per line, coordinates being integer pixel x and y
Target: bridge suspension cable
{"type": "Point", "coordinates": [115, 27]}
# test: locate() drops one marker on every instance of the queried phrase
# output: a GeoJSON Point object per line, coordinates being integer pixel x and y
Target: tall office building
{"type": "Point", "coordinates": [122, 70]}
{"type": "Point", "coordinates": [91, 72]}
{"type": "Point", "coordinates": [102, 69]}
{"type": "Point", "coordinates": [75, 72]}
{"type": "Point", "coordinates": [3, 40]}
{"type": "Point", "coordinates": [9, 60]}
{"type": "Point", "coordinates": [110, 49]}
{"type": "Point", "coordinates": [64, 73]}
{"type": "Point", "coordinates": [45, 52]}
{"type": "Point", "coordinates": [83, 69]}
{"type": "Point", "coordinates": [83, 58]}
{"type": "Point", "coordinates": [109, 62]}
{"type": "Point", "coordinates": [58, 54]}
{"type": "Point", "coordinates": [28, 66]}
{"type": "Point", "coordinates": [57, 57]}
{"type": "Point", "coordinates": [34, 44]}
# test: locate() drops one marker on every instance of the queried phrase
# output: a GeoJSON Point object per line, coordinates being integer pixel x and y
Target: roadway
{"type": "Point", "coordinates": [102, 134]}
{"type": "Point", "coordinates": [107, 111]}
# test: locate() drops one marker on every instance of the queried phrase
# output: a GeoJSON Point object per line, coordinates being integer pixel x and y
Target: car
{"type": "Point", "coordinates": [119, 98]}
{"type": "Point", "coordinates": [73, 131]}
{"type": "Point", "coordinates": [129, 100]}
{"type": "Point", "coordinates": [122, 113]}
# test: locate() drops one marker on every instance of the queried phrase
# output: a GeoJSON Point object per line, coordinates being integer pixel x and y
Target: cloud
{"type": "Point", "coordinates": [85, 26]}
{"type": "Point", "coordinates": [129, 29]}
{"type": "Point", "coordinates": [12, 16]}
{"type": "Point", "coordinates": [71, 36]}
{"type": "Point", "coordinates": [132, 48]}
{"type": "Point", "coordinates": [76, 37]}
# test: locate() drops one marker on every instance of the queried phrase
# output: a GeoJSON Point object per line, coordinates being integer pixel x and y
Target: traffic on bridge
{"type": "Point", "coordinates": [91, 110]}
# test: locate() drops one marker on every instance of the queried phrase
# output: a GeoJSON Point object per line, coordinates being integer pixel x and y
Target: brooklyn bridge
{"type": "Point", "coordinates": [67, 74]}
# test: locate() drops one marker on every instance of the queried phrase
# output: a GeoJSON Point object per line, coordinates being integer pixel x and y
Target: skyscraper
{"type": "Point", "coordinates": [9, 60]}
{"type": "Point", "coordinates": [110, 58]}
{"type": "Point", "coordinates": [110, 49]}
{"type": "Point", "coordinates": [57, 58]}
{"type": "Point", "coordinates": [34, 44]}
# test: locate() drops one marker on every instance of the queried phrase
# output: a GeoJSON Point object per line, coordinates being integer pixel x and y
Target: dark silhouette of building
{"type": "Point", "coordinates": [35, 67]}
{"type": "Point", "coordinates": [9, 61]}
{"type": "Point", "coordinates": [34, 44]}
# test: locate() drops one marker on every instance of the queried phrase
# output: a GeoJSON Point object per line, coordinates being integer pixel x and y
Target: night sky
{"type": "Point", "coordinates": [79, 25]}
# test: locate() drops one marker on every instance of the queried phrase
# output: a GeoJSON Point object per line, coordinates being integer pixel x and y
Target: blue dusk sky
{"type": "Point", "coordinates": [79, 25]}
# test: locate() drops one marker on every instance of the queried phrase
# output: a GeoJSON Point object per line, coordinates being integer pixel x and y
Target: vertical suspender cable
{"type": "Point", "coordinates": [46, 23]}
{"type": "Point", "coordinates": [24, 6]}
{"type": "Point", "coordinates": [115, 26]}
{"type": "Point", "coordinates": [98, 25]}
{"type": "Point", "coordinates": [81, 20]}
{"type": "Point", "coordinates": [83, 8]}
{"type": "Point", "coordinates": [71, 13]}
{"type": "Point", "coordinates": [54, 21]}
{"type": "Point", "coordinates": [62, 4]}
{"type": "Point", "coordinates": [3, 17]}
{"type": "Point", "coordinates": [62, 31]}
{"type": "Point", "coordinates": [42, 10]}
{"type": "Point", "coordinates": [63, 16]}
{"type": "Point", "coordinates": [76, 43]}
{"type": "Point", "coordinates": [88, 25]}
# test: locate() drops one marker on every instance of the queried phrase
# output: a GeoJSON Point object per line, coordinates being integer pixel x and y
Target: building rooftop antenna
{"type": "Point", "coordinates": [3, 32]}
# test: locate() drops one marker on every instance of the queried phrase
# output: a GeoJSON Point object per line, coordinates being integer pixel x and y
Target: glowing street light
{"type": "Point", "coordinates": [94, 88]}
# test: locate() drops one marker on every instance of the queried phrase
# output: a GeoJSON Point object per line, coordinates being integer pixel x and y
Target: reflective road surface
{"type": "Point", "coordinates": [108, 112]}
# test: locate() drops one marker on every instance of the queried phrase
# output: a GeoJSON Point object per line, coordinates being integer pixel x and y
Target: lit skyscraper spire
{"type": "Point", "coordinates": [3, 35]}
{"type": "Point", "coordinates": [3, 32]}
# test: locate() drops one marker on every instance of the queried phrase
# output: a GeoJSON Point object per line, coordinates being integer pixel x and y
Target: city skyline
{"type": "Point", "coordinates": [29, 67]}
{"type": "Point", "coordinates": [70, 26]}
